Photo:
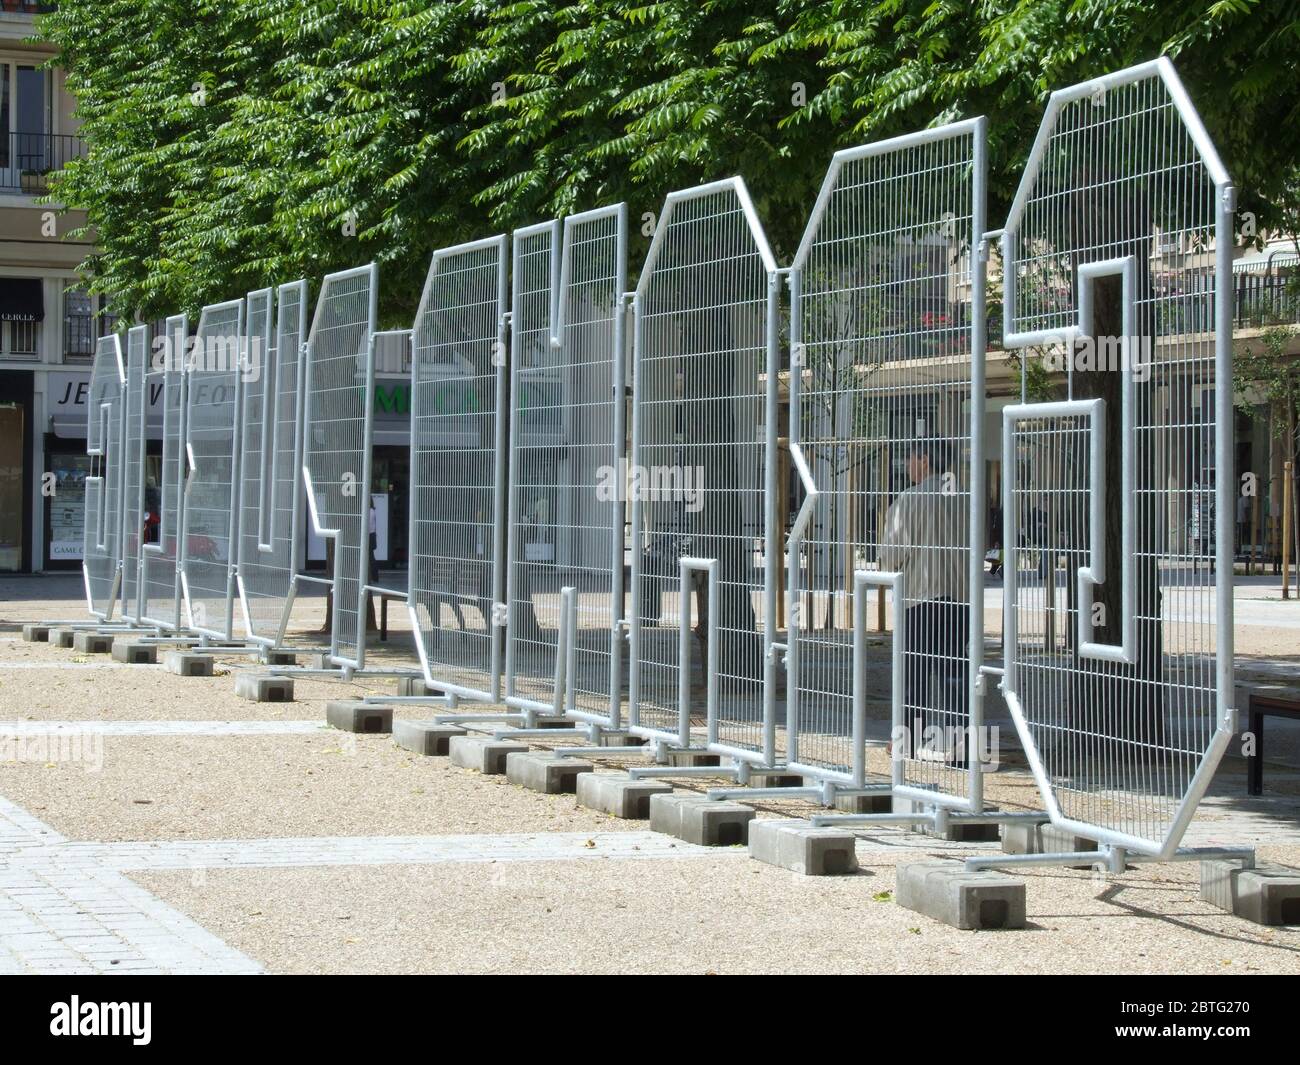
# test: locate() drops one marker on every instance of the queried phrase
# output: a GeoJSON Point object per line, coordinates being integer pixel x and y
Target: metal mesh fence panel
{"type": "Point", "coordinates": [264, 563]}
{"type": "Point", "coordinates": [159, 575]}
{"type": "Point", "coordinates": [337, 429]}
{"type": "Point", "coordinates": [886, 399]}
{"type": "Point", "coordinates": [567, 428]}
{"type": "Point", "coordinates": [458, 468]}
{"type": "Point", "coordinates": [101, 560]}
{"type": "Point", "coordinates": [210, 543]}
{"type": "Point", "coordinates": [1117, 483]}
{"type": "Point", "coordinates": [135, 526]}
{"type": "Point", "coordinates": [703, 461]}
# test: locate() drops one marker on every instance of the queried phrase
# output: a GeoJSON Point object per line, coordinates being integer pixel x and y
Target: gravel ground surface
{"type": "Point", "coordinates": [703, 916]}
{"type": "Point", "coordinates": [332, 784]}
{"type": "Point", "coordinates": [710, 914]}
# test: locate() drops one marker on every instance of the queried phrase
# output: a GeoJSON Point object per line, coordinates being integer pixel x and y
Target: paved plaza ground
{"type": "Point", "coordinates": [189, 830]}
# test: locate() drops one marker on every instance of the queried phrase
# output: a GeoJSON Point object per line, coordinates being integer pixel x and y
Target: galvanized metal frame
{"type": "Point", "coordinates": [568, 282]}
{"type": "Point", "coordinates": [160, 581]}
{"type": "Point", "coordinates": [459, 336]}
{"type": "Point", "coordinates": [338, 430]}
{"type": "Point", "coordinates": [751, 740]}
{"type": "Point", "coordinates": [134, 450]}
{"type": "Point", "coordinates": [917, 166]}
{"type": "Point", "coordinates": [101, 565]}
{"type": "Point", "coordinates": [212, 487]}
{"type": "Point", "coordinates": [269, 513]}
{"type": "Point", "coordinates": [1159, 835]}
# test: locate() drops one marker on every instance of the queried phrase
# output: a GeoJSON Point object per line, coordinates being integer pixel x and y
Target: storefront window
{"type": "Point", "coordinates": [66, 509]}
{"type": "Point", "coordinates": [11, 487]}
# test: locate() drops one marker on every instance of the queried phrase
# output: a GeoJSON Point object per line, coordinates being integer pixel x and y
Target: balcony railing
{"type": "Point", "coordinates": [28, 159]}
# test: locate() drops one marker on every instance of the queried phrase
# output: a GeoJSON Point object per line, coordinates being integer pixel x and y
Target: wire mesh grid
{"type": "Point", "coordinates": [101, 562]}
{"type": "Point", "coordinates": [337, 430]}
{"type": "Point", "coordinates": [458, 467]}
{"type": "Point", "coordinates": [135, 524]}
{"type": "Point", "coordinates": [264, 562]}
{"type": "Point", "coordinates": [703, 441]}
{"type": "Point", "coordinates": [881, 403]}
{"type": "Point", "coordinates": [566, 442]}
{"type": "Point", "coordinates": [1122, 175]}
{"type": "Point", "coordinates": [159, 575]}
{"type": "Point", "coordinates": [209, 543]}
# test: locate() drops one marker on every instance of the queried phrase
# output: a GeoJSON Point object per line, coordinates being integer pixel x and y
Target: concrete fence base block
{"type": "Point", "coordinates": [952, 895]}
{"type": "Point", "coordinates": [136, 654]}
{"type": "Point", "coordinates": [956, 832]}
{"type": "Point", "coordinates": [547, 773]}
{"type": "Point", "coordinates": [414, 688]}
{"type": "Point", "coordinates": [864, 804]}
{"type": "Point", "coordinates": [92, 643]}
{"type": "Point", "coordinates": [62, 637]}
{"type": "Point", "coordinates": [618, 795]}
{"type": "Point", "coordinates": [1264, 894]}
{"type": "Point", "coordinates": [262, 689]}
{"type": "Point", "coordinates": [619, 739]}
{"type": "Point", "coordinates": [319, 661]}
{"type": "Point", "coordinates": [1022, 838]}
{"type": "Point", "coordinates": [698, 820]}
{"type": "Point", "coordinates": [482, 753]}
{"type": "Point", "coordinates": [187, 664]}
{"type": "Point", "coordinates": [774, 778]}
{"type": "Point", "coordinates": [425, 737]}
{"type": "Point", "coordinates": [801, 848]}
{"type": "Point", "coordinates": [553, 722]}
{"type": "Point", "coordinates": [36, 633]}
{"type": "Point", "coordinates": [281, 658]}
{"type": "Point", "coordinates": [352, 715]}
{"type": "Point", "coordinates": [692, 758]}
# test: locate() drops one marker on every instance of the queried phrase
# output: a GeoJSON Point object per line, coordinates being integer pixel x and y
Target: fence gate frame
{"type": "Point", "coordinates": [561, 700]}
{"type": "Point", "coordinates": [361, 460]}
{"type": "Point", "coordinates": [1115, 845]}
{"type": "Point", "coordinates": [135, 448]}
{"type": "Point", "coordinates": [490, 690]}
{"type": "Point", "coordinates": [679, 734]}
{"type": "Point", "coordinates": [853, 779]}
{"type": "Point", "coordinates": [197, 362]}
{"type": "Point", "coordinates": [105, 436]}
{"type": "Point", "coordinates": [171, 484]}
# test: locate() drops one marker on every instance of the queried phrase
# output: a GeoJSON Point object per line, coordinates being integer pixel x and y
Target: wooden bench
{"type": "Point", "coordinates": [1276, 700]}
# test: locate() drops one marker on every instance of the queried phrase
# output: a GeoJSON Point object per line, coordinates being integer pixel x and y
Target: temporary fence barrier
{"type": "Point", "coordinates": [210, 543]}
{"type": "Point", "coordinates": [135, 525]}
{"type": "Point", "coordinates": [704, 441]}
{"type": "Point", "coordinates": [271, 445]}
{"type": "Point", "coordinates": [1116, 272]}
{"type": "Point", "coordinates": [105, 429]}
{"type": "Point", "coordinates": [160, 584]}
{"type": "Point", "coordinates": [1118, 496]}
{"type": "Point", "coordinates": [338, 387]}
{"type": "Point", "coordinates": [886, 426]}
{"type": "Point", "coordinates": [458, 469]}
{"type": "Point", "coordinates": [564, 583]}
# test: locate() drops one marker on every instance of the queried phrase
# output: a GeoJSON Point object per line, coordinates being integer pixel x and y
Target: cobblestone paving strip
{"type": "Point", "coordinates": [64, 914]}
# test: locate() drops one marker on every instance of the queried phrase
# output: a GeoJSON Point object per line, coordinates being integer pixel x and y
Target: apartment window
{"type": "Point", "coordinates": [22, 307]}
{"type": "Point", "coordinates": [84, 322]}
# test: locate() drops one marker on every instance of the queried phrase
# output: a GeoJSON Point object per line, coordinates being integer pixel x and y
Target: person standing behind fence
{"type": "Point", "coordinates": [925, 539]}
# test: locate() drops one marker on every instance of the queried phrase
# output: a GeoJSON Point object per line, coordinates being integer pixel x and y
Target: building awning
{"type": "Point", "coordinates": [22, 299]}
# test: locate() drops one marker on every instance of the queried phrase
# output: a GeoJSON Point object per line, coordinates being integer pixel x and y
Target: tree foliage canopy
{"type": "Point", "coordinates": [233, 144]}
